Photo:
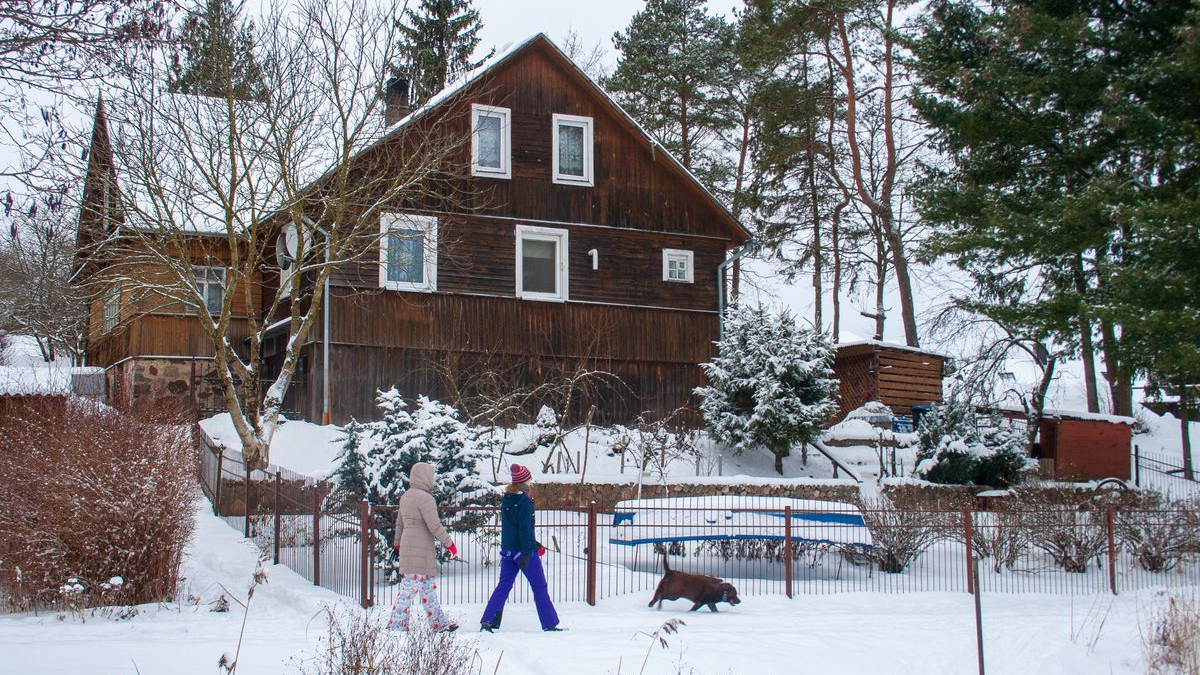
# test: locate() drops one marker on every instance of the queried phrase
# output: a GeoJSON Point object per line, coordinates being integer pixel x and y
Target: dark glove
{"type": "Point", "coordinates": [523, 560]}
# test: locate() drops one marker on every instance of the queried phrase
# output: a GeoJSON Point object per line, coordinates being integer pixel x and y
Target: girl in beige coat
{"type": "Point", "coordinates": [417, 525]}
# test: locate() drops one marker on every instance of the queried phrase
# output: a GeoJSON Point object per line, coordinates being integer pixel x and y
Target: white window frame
{"type": "Point", "coordinates": [689, 259]}
{"type": "Point", "coordinates": [505, 115]}
{"type": "Point", "coordinates": [112, 308]}
{"type": "Point", "coordinates": [587, 179]}
{"type": "Point", "coordinates": [190, 309]}
{"type": "Point", "coordinates": [407, 221]}
{"type": "Point", "coordinates": [560, 239]}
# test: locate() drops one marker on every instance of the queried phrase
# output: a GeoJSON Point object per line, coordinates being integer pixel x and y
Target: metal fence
{"type": "Point", "coordinates": [1163, 473]}
{"type": "Point", "coordinates": [592, 555]}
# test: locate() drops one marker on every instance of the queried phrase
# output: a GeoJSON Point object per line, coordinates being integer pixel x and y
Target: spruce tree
{"type": "Point", "coordinates": [672, 77]}
{"type": "Point", "coordinates": [437, 41]}
{"type": "Point", "coordinates": [771, 383]}
{"type": "Point", "coordinates": [217, 51]}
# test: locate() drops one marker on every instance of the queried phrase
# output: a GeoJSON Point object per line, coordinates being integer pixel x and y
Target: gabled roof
{"type": "Point", "coordinates": [737, 232]}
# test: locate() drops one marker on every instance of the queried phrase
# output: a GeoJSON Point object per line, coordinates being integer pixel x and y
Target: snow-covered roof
{"type": "Point", "coordinates": [1071, 414]}
{"type": "Point", "coordinates": [893, 345]}
{"type": "Point", "coordinates": [173, 160]}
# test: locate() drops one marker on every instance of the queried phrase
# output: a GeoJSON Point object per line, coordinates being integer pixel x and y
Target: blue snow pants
{"type": "Point", "coordinates": [537, 582]}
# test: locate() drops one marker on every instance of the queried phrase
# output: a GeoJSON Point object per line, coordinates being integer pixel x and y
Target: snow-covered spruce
{"type": "Point", "coordinates": [771, 383]}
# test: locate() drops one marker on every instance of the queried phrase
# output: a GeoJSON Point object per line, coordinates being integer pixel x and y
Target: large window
{"type": "Point", "coordinates": [210, 285]}
{"type": "Point", "coordinates": [491, 141]}
{"type": "Point", "coordinates": [572, 150]}
{"type": "Point", "coordinates": [112, 307]}
{"type": "Point", "coordinates": [678, 265]}
{"type": "Point", "coordinates": [541, 263]}
{"type": "Point", "coordinates": [408, 252]}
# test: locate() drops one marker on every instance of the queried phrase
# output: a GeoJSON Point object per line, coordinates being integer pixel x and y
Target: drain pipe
{"type": "Point", "coordinates": [737, 255]}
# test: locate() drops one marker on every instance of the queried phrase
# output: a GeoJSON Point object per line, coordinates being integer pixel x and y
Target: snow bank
{"type": "Point", "coordinates": [303, 447]}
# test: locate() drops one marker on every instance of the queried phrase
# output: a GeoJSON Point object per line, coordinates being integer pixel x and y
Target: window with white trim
{"type": "Point", "coordinates": [678, 265]}
{"type": "Point", "coordinates": [491, 141]}
{"type": "Point", "coordinates": [572, 151]}
{"type": "Point", "coordinates": [408, 252]}
{"type": "Point", "coordinates": [210, 285]}
{"type": "Point", "coordinates": [112, 307]}
{"type": "Point", "coordinates": [541, 263]}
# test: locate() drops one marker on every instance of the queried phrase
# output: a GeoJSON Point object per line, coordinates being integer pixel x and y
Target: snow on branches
{"type": "Point", "coordinates": [771, 383]}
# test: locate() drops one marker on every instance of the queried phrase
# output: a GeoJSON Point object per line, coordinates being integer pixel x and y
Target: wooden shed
{"type": "Point", "coordinates": [1085, 446]}
{"type": "Point", "coordinates": [899, 376]}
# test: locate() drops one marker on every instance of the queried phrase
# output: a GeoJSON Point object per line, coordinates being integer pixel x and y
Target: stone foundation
{"type": "Point", "coordinates": [157, 382]}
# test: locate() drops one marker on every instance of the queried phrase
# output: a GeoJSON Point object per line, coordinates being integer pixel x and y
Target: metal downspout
{"type": "Point", "coordinates": [737, 255]}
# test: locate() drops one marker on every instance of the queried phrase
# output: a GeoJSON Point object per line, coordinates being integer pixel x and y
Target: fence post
{"type": "Point", "coordinates": [278, 484]}
{"type": "Point", "coordinates": [246, 482]}
{"type": "Point", "coordinates": [220, 479]}
{"type": "Point", "coordinates": [969, 532]}
{"type": "Point", "coordinates": [591, 554]}
{"type": "Point", "coordinates": [1112, 551]}
{"type": "Point", "coordinates": [364, 572]}
{"type": "Point", "coordinates": [1137, 466]}
{"type": "Point", "coordinates": [316, 535]}
{"type": "Point", "coordinates": [787, 550]}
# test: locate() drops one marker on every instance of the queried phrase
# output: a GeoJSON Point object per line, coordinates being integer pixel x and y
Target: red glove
{"type": "Point", "coordinates": [453, 550]}
{"type": "Point", "coordinates": [541, 550]}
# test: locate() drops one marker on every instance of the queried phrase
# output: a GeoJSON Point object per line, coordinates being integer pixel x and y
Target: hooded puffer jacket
{"type": "Point", "coordinates": [417, 524]}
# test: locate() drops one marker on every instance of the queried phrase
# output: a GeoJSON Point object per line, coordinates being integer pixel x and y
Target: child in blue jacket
{"type": "Point", "coordinates": [519, 552]}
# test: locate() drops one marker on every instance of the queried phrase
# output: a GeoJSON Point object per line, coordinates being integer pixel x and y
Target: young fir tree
{"type": "Point", "coordinates": [672, 77]}
{"type": "Point", "coordinates": [217, 51]}
{"type": "Point", "coordinates": [771, 383]}
{"type": "Point", "coordinates": [438, 39]}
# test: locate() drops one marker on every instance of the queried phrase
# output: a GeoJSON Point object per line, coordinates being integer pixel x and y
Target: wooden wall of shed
{"type": "Point", "coordinates": [856, 382]}
{"type": "Point", "coordinates": [1092, 449]}
{"type": "Point", "coordinates": [906, 379]}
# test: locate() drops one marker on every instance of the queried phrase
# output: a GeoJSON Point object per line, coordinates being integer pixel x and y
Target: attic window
{"type": "Point", "coordinates": [572, 150]}
{"type": "Point", "coordinates": [491, 141]}
{"type": "Point", "coordinates": [408, 252]}
{"type": "Point", "coordinates": [678, 265]}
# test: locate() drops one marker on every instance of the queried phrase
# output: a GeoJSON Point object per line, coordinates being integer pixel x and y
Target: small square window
{"type": "Point", "coordinates": [408, 252]}
{"type": "Point", "coordinates": [677, 265]}
{"type": "Point", "coordinates": [491, 141]}
{"type": "Point", "coordinates": [572, 152]}
{"type": "Point", "coordinates": [541, 263]}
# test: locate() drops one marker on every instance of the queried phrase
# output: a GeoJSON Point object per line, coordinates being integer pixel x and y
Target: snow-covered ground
{"type": "Point", "coordinates": [24, 371]}
{"type": "Point", "coordinates": [849, 633]}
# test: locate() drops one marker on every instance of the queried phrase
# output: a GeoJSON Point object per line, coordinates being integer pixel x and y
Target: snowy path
{"type": "Point", "coordinates": [850, 633]}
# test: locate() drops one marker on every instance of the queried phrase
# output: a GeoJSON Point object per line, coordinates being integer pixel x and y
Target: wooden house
{"type": "Point", "coordinates": [580, 244]}
{"type": "Point", "coordinates": [899, 376]}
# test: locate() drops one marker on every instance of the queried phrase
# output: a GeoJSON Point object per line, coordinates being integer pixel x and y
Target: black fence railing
{"type": "Point", "coordinates": [1163, 473]}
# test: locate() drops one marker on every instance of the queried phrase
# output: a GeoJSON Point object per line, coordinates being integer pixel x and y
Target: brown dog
{"type": "Point", "coordinates": [699, 588]}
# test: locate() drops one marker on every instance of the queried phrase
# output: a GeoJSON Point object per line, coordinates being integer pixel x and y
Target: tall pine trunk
{"type": "Point", "coordinates": [1086, 347]}
{"type": "Point", "coordinates": [1117, 372]}
{"type": "Point", "coordinates": [1185, 435]}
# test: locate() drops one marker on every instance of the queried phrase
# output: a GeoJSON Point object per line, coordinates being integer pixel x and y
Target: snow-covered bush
{"type": "Point", "coordinates": [904, 525]}
{"type": "Point", "coordinates": [955, 450]}
{"type": "Point", "coordinates": [93, 494]}
{"type": "Point", "coordinates": [1159, 538]}
{"type": "Point", "coordinates": [377, 457]}
{"type": "Point", "coordinates": [771, 383]}
{"type": "Point", "coordinates": [360, 643]}
{"type": "Point", "coordinates": [1070, 530]}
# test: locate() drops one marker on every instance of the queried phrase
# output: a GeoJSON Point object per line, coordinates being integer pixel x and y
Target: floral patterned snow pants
{"type": "Point", "coordinates": [424, 588]}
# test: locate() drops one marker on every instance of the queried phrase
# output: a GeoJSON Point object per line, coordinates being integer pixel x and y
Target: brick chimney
{"type": "Point", "coordinates": [395, 100]}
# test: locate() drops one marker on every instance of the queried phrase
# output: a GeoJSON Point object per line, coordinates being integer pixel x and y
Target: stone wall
{"type": "Point", "coordinates": [606, 495]}
{"type": "Point", "coordinates": [153, 382]}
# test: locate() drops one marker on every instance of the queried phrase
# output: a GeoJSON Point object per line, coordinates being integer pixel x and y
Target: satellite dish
{"type": "Point", "coordinates": [286, 246]}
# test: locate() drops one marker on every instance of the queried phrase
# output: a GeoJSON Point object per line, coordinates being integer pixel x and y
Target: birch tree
{"type": "Point", "coordinates": [216, 181]}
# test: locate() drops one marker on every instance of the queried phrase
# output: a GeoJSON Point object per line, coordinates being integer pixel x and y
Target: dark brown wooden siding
{"type": "Point", "coordinates": [900, 379]}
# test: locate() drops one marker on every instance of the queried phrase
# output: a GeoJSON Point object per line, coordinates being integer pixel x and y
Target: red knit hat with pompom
{"type": "Point", "coordinates": [520, 474]}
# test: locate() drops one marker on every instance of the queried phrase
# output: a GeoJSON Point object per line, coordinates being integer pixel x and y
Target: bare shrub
{"type": "Point", "coordinates": [91, 494]}
{"type": "Point", "coordinates": [1071, 530]}
{"type": "Point", "coordinates": [905, 524]}
{"type": "Point", "coordinates": [1159, 539]}
{"type": "Point", "coordinates": [1001, 537]}
{"type": "Point", "coordinates": [359, 643]}
{"type": "Point", "coordinates": [1171, 642]}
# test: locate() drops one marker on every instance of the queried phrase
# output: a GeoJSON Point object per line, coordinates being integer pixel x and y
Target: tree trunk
{"type": "Point", "coordinates": [900, 268]}
{"type": "Point", "coordinates": [1117, 373]}
{"type": "Point", "coordinates": [835, 235]}
{"type": "Point", "coordinates": [780, 453]}
{"type": "Point", "coordinates": [1086, 347]}
{"type": "Point", "coordinates": [1037, 405]}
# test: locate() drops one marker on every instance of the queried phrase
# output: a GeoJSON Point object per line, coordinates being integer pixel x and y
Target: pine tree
{"type": "Point", "coordinates": [351, 473]}
{"type": "Point", "coordinates": [218, 54]}
{"type": "Point", "coordinates": [438, 39]}
{"type": "Point", "coordinates": [672, 77]}
{"type": "Point", "coordinates": [771, 383]}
